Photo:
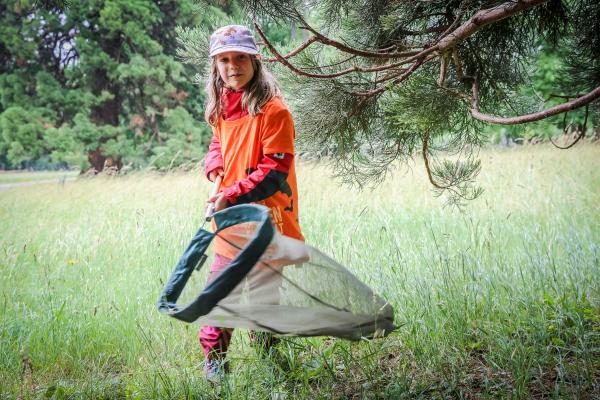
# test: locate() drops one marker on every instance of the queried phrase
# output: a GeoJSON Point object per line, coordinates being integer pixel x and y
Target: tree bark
{"type": "Point", "coordinates": [106, 113]}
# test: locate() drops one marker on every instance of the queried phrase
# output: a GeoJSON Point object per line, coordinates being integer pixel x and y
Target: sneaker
{"type": "Point", "coordinates": [215, 370]}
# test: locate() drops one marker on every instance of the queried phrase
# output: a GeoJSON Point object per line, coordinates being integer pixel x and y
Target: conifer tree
{"type": "Point", "coordinates": [377, 81]}
{"type": "Point", "coordinates": [99, 81]}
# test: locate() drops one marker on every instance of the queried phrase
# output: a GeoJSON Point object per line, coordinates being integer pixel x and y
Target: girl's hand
{"type": "Point", "coordinates": [219, 200]}
{"type": "Point", "coordinates": [212, 175]}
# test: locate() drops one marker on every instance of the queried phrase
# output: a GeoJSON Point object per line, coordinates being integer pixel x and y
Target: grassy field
{"type": "Point", "coordinates": [501, 301]}
{"type": "Point", "coordinates": [31, 176]}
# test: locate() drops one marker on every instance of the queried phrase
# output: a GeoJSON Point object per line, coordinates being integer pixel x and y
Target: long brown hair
{"type": "Point", "coordinates": [261, 88]}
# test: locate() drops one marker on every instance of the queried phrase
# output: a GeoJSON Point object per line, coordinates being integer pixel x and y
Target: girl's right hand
{"type": "Point", "coordinates": [219, 200]}
{"type": "Point", "coordinates": [212, 175]}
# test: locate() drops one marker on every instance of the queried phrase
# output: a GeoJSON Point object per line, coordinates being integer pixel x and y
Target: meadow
{"type": "Point", "coordinates": [33, 176]}
{"type": "Point", "coordinates": [501, 300]}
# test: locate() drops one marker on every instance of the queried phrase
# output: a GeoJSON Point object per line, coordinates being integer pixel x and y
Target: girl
{"type": "Point", "coordinates": [252, 149]}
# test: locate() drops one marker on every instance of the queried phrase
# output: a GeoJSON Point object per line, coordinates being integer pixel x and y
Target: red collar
{"type": "Point", "coordinates": [227, 90]}
{"type": "Point", "coordinates": [231, 101]}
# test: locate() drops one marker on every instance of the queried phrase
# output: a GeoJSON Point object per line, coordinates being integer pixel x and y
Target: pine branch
{"type": "Point", "coordinates": [443, 46]}
{"type": "Point", "coordinates": [383, 88]}
{"type": "Point", "coordinates": [283, 59]}
{"type": "Point", "coordinates": [483, 18]}
{"type": "Point", "coordinates": [425, 154]}
{"type": "Point", "coordinates": [581, 135]}
{"type": "Point", "coordinates": [521, 119]}
{"type": "Point", "coordinates": [405, 68]}
{"type": "Point", "coordinates": [291, 54]}
{"type": "Point", "coordinates": [351, 50]}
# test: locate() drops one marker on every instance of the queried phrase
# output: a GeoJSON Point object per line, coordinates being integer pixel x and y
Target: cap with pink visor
{"type": "Point", "coordinates": [232, 38]}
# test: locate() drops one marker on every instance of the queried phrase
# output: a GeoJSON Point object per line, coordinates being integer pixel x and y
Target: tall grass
{"type": "Point", "coordinates": [502, 300]}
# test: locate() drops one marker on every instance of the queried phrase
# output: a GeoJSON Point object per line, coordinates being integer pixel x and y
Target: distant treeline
{"type": "Point", "coordinates": [98, 84]}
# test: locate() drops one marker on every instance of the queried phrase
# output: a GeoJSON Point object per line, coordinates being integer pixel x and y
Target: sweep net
{"type": "Point", "coordinates": [273, 283]}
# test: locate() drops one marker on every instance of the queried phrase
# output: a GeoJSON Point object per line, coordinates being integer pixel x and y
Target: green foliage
{"type": "Point", "coordinates": [14, 88]}
{"type": "Point", "coordinates": [548, 75]}
{"type": "Point", "coordinates": [21, 134]}
{"type": "Point", "coordinates": [70, 143]}
{"type": "Point", "coordinates": [104, 77]}
{"type": "Point", "coordinates": [130, 64]}
{"type": "Point", "coordinates": [186, 142]}
{"type": "Point", "coordinates": [422, 105]}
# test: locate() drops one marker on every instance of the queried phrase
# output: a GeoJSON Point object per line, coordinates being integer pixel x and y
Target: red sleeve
{"type": "Point", "coordinates": [269, 177]}
{"type": "Point", "coordinates": [214, 157]}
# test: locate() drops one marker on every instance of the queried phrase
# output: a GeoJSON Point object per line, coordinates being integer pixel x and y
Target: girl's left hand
{"type": "Point", "coordinates": [219, 200]}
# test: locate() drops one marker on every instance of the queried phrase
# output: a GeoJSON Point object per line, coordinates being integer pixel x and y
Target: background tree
{"type": "Point", "coordinates": [378, 81]}
{"type": "Point", "coordinates": [98, 84]}
{"type": "Point", "coordinates": [26, 52]}
{"type": "Point", "coordinates": [101, 78]}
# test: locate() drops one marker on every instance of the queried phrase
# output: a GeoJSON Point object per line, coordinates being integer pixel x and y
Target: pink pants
{"type": "Point", "coordinates": [215, 340]}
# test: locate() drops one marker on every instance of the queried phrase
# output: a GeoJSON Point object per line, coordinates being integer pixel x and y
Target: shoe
{"type": "Point", "coordinates": [215, 370]}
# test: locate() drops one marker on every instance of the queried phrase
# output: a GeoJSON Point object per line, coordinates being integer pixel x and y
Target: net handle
{"type": "Point", "coordinates": [210, 209]}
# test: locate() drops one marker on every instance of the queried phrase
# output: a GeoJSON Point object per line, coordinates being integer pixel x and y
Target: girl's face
{"type": "Point", "coordinates": [235, 68]}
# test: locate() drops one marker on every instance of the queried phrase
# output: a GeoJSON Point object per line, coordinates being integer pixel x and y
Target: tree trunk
{"type": "Point", "coordinates": [106, 113]}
